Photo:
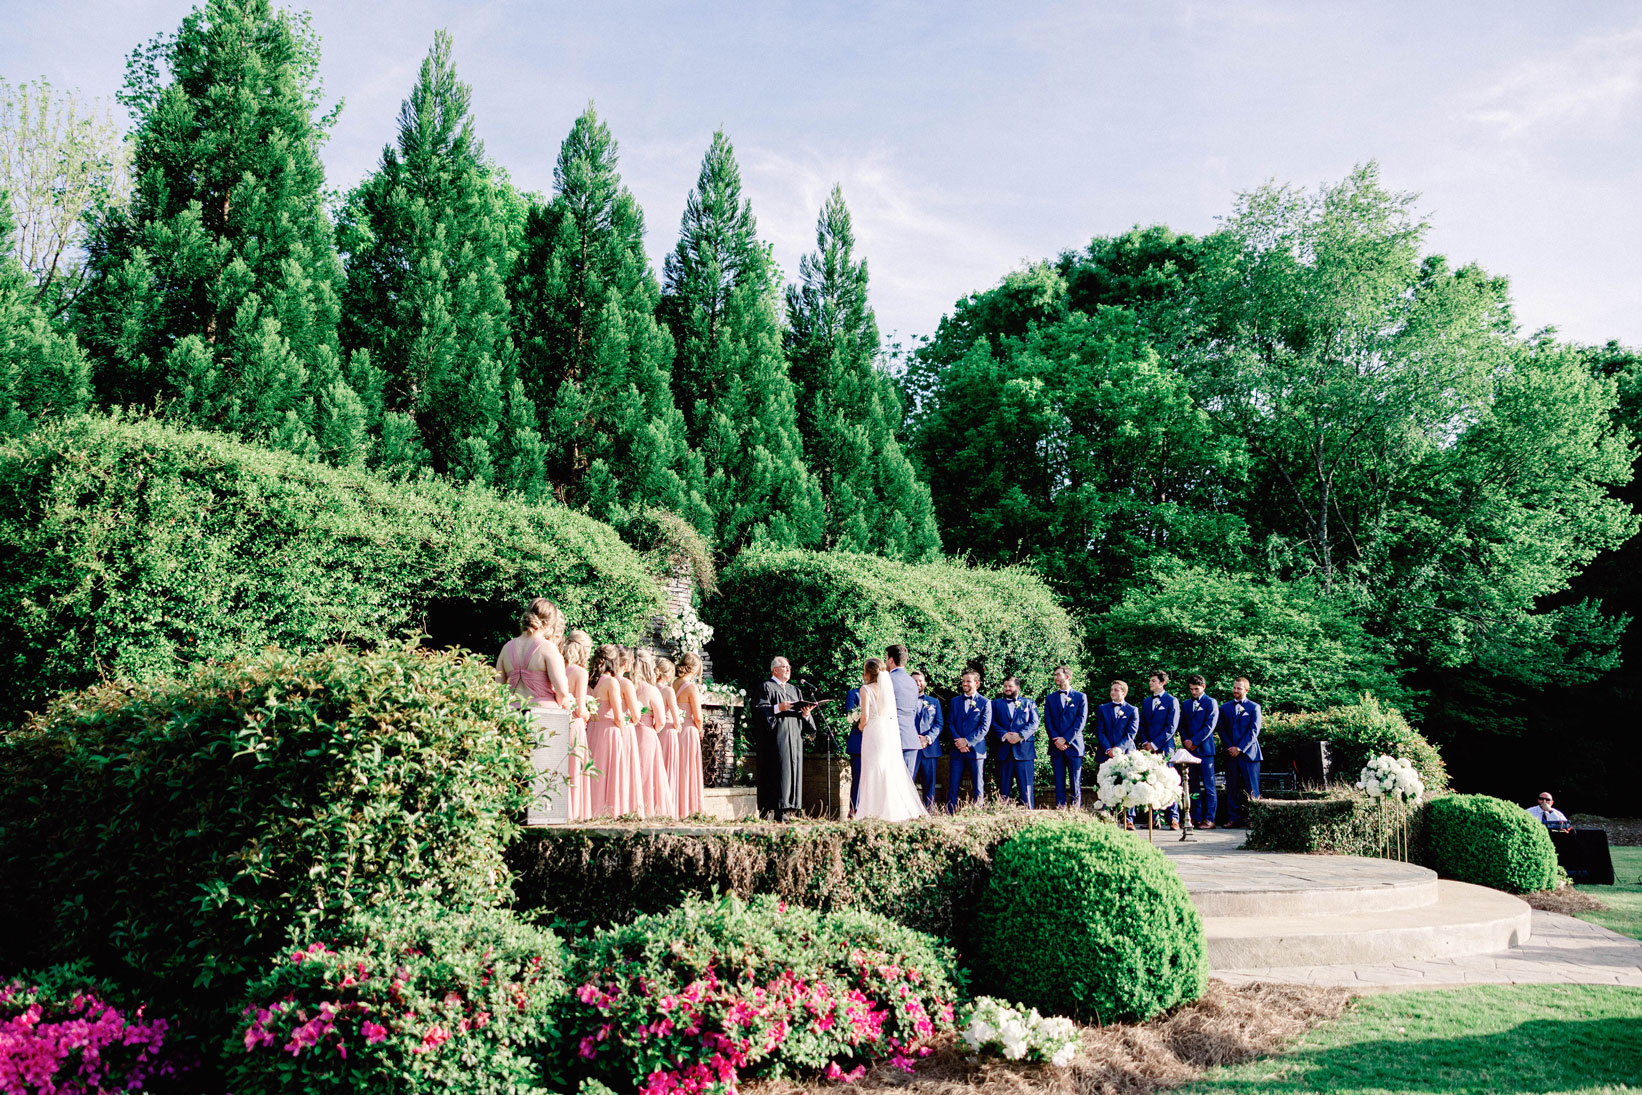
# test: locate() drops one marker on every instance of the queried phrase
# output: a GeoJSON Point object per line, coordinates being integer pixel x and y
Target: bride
{"type": "Point", "coordinates": [887, 790]}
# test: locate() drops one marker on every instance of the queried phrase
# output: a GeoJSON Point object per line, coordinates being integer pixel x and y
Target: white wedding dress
{"type": "Point", "coordinates": [887, 790]}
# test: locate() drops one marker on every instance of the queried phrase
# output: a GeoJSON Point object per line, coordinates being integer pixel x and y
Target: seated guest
{"type": "Point", "coordinates": [1015, 725]}
{"type": "Point", "coordinates": [930, 726]}
{"type": "Point", "coordinates": [970, 723]}
{"type": "Point", "coordinates": [1197, 726]}
{"type": "Point", "coordinates": [1065, 714]}
{"type": "Point", "coordinates": [1549, 814]}
{"type": "Point", "coordinates": [1116, 724]}
{"type": "Point", "coordinates": [1240, 727]}
{"type": "Point", "coordinates": [1159, 717]}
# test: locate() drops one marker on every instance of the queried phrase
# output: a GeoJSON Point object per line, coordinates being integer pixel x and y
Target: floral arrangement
{"type": "Point", "coordinates": [686, 632]}
{"type": "Point", "coordinates": [1136, 779]}
{"type": "Point", "coordinates": [697, 999]}
{"type": "Point", "coordinates": [724, 694]}
{"type": "Point", "coordinates": [58, 1033]}
{"type": "Point", "coordinates": [1391, 778]}
{"type": "Point", "coordinates": [1000, 1027]}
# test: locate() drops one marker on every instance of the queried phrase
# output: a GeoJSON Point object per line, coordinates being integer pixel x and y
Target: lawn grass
{"type": "Point", "coordinates": [1487, 1039]}
{"type": "Point", "coordinates": [1623, 898]}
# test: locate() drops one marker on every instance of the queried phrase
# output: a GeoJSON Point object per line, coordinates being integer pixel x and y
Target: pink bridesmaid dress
{"type": "Point", "coordinates": [610, 793]}
{"type": "Point", "coordinates": [655, 788]}
{"type": "Point", "coordinates": [668, 733]}
{"type": "Point", "coordinates": [630, 742]}
{"type": "Point", "coordinates": [690, 780]}
{"type": "Point", "coordinates": [580, 754]}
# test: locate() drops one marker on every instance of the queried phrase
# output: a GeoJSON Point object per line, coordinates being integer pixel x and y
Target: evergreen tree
{"type": "Point", "coordinates": [215, 292]}
{"type": "Point", "coordinates": [427, 241]}
{"type": "Point", "coordinates": [591, 348]}
{"type": "Point", "coordinates": [849, 412]}
{"type": "Point", "coordinates": [730, 374]}
{"type": "Point", "coordinates": [41, 372]}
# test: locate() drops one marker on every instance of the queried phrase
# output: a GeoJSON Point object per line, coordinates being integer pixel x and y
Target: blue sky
{"type": "Point", "coordinates": [971, 138]}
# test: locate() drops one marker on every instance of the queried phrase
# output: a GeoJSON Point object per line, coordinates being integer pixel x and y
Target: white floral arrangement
{"type": "Point", "coordinates": [1392, 778]}
{"type": "Point", "coordinates": [723, 694]}
{"type": "Point", "coordinates": [686, 632]}
{"type": "Point", "coordinates": [1000, 1027]}
{"type": "Point", "coordinates": [1136, 779]}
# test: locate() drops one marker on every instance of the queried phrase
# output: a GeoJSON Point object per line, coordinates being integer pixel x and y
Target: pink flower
{"type": "Point", "coordinates": [374, 1032]}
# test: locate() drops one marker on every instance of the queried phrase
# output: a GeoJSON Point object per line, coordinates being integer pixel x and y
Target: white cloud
{"type": "Point", "coordinates": [1596, 78]}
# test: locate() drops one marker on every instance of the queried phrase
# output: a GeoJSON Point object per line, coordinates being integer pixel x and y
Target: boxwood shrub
{"type": "Point", "coordinates": [1336, 822]}
{"type": "Point", "coordinates": [1491, 842]}
{"type": "Point", "coordinates": [129, 549]}
{"type": "Point", "coordinates": [1082, 919]}
{"type": "Point", "coordinates": [173, 831]}
{"type": "Point", "coordinates": [1356, 733]}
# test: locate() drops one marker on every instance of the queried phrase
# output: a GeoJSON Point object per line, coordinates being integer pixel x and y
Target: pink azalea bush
{"type": "Point", "coordinates": [60, 1035]}
{"type": "Point", "coordinates": [697, 999]}
{"type": "Point", "coordinates": [422, 1000]}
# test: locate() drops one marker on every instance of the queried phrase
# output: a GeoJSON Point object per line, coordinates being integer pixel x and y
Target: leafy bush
{"type": "Point", "coordinates": [402, 1001]}
{"type": "Point", "coordinates": [1081, 919]}
{"type": "Point", "coordinates": [1338, 822]}
{"type": "Point", "coordinates": [711, 993]}
{"type": "Point", "coordinates": [1357, 732]}
{"type": "Point", "coordinates": [830, 611]}
{"type": "Point", "coordinates": [173, 831]}
{"type": "Point", "coordinates": [1490, 842]}
{"type": "Point", "coordinates": [926, 873]}
{"type": "Point", "coordinates": [131, 548]}
{"type": "Point", "coordinates": [59, 1031]}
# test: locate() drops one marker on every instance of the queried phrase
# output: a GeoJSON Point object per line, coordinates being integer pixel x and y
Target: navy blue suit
{"type": "Point", "coordinates": [931, 725]}
{"type": "Point", "coordinates": [1015, 758]}
{"type": "Point", "coordinates": [1065, 714]}
{"type": "Point", "coordinates": [1240, 728]}
{"type": "Point", "coordinates": [906, 714]}
{"type": "Point", "coordinates": [970, 718]}
{"type": "Point", "coordinates": [1197, 725]}
{"type": "Point", "coordinates": [1159, 716]}
{"type": "Point", "coordinates": [1116, 725]}
{"type": "Point", "coordinates": [852, 746]}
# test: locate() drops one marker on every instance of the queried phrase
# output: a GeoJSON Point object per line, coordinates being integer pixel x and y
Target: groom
{"type": "Point", "coordinates": [907, 706]}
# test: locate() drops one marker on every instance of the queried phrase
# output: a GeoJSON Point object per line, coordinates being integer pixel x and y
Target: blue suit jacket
{"type": "Point", "coordinates": [906, 706]}
{"type": "Point", "coordinates": [1240, 726]}
{"type": "Point", "coordinates": [1021, 718]}
{"type": "Point", "coordinates": [1115, 727]}
{"type": "Point", "coordinates": [1159, 716]}
{"type": "Point", "coordinates": [930, 725]}
{"type": "Point", "coordinates": [971, 719]}
{"type": "Point", "coordinates": [852, 702]}
{"type": "Point", "coordinates": [1197, 722]}
{"type": "Point", "coordinates": [1065, 714]}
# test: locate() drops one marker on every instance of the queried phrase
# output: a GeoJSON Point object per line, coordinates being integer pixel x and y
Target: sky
{"type": "Point", "coordinates": [973, 138]}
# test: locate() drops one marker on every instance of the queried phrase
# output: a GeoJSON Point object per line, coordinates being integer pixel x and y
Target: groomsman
{"type": "Point", "coordinates": [930, 727]}
{"type": "Point", "coordinates": [1116, 724]}
{"type": "Point", "coordinates": [1015, 722]}
{"type": "Point", "coordinates": [1197, 726]}
{"type": "Point", "coordinates": [852, 745]}
{"type": "Point", "coordinates": [1159, 718]}
{"type": "Point", "coordinates": [1065, 714]}
{"type": "Point", "coordinates": [1240, 727]}
{"type": "Point", "coordinates": [970, 723]}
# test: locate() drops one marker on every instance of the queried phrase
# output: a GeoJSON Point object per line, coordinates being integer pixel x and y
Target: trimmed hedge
{"type": "Point", "coordinates": [1491, 842]}
{"type": "Point", "coordinates": [1357, 733]}
{"type": "Point", "coordinates": [1084, 920]}
{"type": "Point", "coordinates": [130, 549]}
{"type": "Point", "coordinates": [830, 611]}
{"type": "Point", "coordinates": [1339, 822]}
{"type": "Point", "coordinates": [174, 832]}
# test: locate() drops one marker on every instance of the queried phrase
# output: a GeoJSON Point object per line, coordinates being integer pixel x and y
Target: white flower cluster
{"type": "Point", "coordinates": [1137, 779]}
{"type": "Point", "coordinates": [1001, 1027]}
{"type": "Point", "coordinates": [686, 632]}
{"type": "Point", "coordinates": [723, 694]}
{"type": "Point", "coordinates": [1391, 777]}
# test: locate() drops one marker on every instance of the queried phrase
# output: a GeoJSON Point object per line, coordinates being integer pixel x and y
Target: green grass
{"type": "Point", "coordinates": [1489, 1039]}
{"type": "Point", "coordinates": [1623, 898]}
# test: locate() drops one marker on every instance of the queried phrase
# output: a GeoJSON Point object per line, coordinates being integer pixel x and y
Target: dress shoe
{"type": "Point", "coordinates": [1175, 825]}
{"type": "Point", "coordinates": [1129, 825]}
{"type": "Point", "coordinates": [1206, 825]}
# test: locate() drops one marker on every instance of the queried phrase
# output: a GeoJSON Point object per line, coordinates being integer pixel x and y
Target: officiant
{"type": "Point", "coordinates": [780, 745]}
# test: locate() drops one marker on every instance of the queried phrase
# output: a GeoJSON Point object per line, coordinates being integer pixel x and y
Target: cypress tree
{"type": "Point", "coordinates": [590, 346]}
{"type": "Point", "coordinates": [730, 374]}
{"type": "Point", "coordinates": [850, 413]}
{"type": "Point", "coordinates": [215, 292]}
{"type": "Point", "coordinates": [427, 241]}
{"type": "Point", "coordinates": [41, 371]}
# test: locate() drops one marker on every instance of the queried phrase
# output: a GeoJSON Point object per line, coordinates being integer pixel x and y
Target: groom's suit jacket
{"type": "Point", "coordinates": [906, 706]}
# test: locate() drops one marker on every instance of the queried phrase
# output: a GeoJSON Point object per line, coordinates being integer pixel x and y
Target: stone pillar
{"type": "Point", "coordinates": [550, 761]}
{"type": "Point", "coordinates": [718, 744]}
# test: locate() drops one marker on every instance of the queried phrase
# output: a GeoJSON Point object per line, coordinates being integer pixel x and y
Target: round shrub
{"type": "Point", "coordinates": [1083, 920]}
{"type": "Point", "coordinates": [1490, 842]}
{"type": "Point", "coordinates": [409, 1000]}
{"type": "Point", "coordinates": [62, 1030]}
{"type": "Point", "coordinates": [714, 992]}
{"type": "Point", "coordinates": [174, 831]}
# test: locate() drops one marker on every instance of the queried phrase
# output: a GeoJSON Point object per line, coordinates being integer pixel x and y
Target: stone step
{"type": "Point", "coordinates": [1464, 919]}
{"type": "Point", "coordinates": [1313, 886]}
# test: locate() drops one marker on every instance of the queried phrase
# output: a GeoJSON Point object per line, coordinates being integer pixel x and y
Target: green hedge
{"type": "Point", "coordinates": [1357, 733]}
{"type": "Point", "coordinates": [1337, 823]}
{"type": "Point", "coordinates": [829, 612]}
{"type": "Point", "coordinates": [130, 549]}
{"type": "Point", "coordinates": [1490, 842]}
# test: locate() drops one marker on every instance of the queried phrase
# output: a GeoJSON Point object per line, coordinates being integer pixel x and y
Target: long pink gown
{"type": "Point", "coordinates": [580, 750]}
{"type": "Point", "coordinates": [668, 733]}
{"type": "Point", "coordinates": [656, 788]}
{"type": "Point", "coordinates": [612, 792]}
{"type": "Point", "coordinates": [536, 687]}
{"type": "Point", "coordinates": [691, 780]}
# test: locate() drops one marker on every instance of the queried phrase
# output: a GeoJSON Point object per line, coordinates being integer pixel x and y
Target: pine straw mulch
{"type": "Point", "coordinates": [1227, 1026]}
{"type": "Point", "coordinates": [1566, 900]}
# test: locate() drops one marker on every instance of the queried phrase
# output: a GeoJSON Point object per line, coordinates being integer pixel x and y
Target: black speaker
{"type": "Point", "coordinates": [1584, 854]}
{"type": "Point", "coordinates": [1311, 763]}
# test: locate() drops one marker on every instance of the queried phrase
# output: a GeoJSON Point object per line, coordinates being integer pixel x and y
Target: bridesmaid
{"type": "Point", "coordinates": [610, 790]}
{"type": "Point", "coordinates": [630, 705]}
{"type": "Point", "coordinates": [691, 779]}
{"type": "Point", "coordinates": [665, 674]}
{"type": "Point", "coordinates": [530, 663]}
{"type": "Point", "coordinates": [577, 648]}
{"type": "Point", "coordinates": [659, 800]}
